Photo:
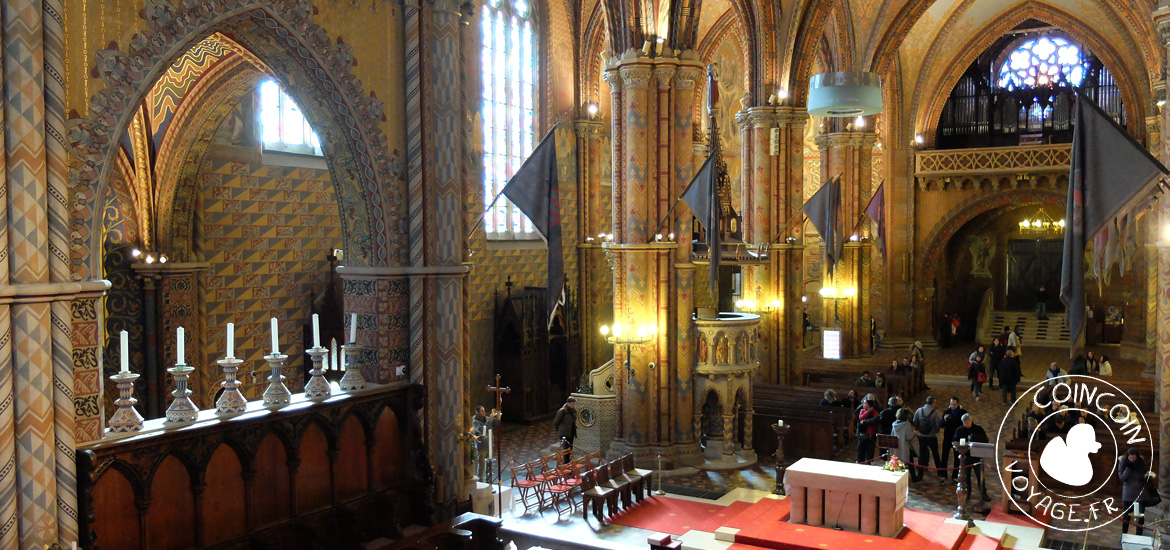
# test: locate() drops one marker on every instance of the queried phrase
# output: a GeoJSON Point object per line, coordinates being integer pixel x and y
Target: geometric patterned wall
{"type": "Point", "coordinates": [266, 231]}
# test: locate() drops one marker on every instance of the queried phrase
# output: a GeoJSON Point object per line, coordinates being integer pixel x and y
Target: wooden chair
{"type": "Point", "coordinates": [608, 488]}
{"type": "Point", "coordinates": [592, 494]}
{"type": "Point", "coordinates": [647, 476]}
{"type": "Point", "coordinates": [618, 482]}
{"type": "Point", "coordinates": [548, 469]}
{"type": "Point", "coordinates": [594, 460]}
{"type": "Point", "coordinates": [572, 478]}
{"type": "Point", "coordinates": [559, 494]}
{"type": "Point", "coordinates": [528, 489]}
{"type": "Point", "coordinates": [563, 457]}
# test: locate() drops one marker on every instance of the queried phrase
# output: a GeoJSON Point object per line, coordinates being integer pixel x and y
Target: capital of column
{"type": "Point", "coordinates": [791, 116]}
{"type": "Point", "coordinates": [636, 76]}
{"type": "Point", "coordinates": [839, 140]}
{"type": "Point", "coordinates": [687, 76]}
{"type": "Point", "coordinates": [763, 117]}
{"type": "Point", "coordinates": [664, 75]}
{"type": "Point", "coordinates": [1162, 21]}
{"type": "Point", "coordinates": [589, 128]}
{"type": "Point", "coordinates": [614, 79]}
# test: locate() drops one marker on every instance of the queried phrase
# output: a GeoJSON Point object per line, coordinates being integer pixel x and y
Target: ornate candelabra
{"type": "Point", "coordinates": [781, 430]}
{"type": "Point", "coordinates": [318, 386]}
{"type": "Point", "coordinates": [352, 380]}
{"type": "Point", "coordinates": [182, 409]}
{"type": "Point", "coordinates": [276, 393]}
{"type": "Point", "coordinates": [231, 401]}
{"type": "Point", "coordinates": [962, 514]}
{"type": "Point", "coordinates": [126, 419]}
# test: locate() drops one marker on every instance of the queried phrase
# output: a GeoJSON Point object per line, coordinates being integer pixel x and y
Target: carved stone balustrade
{"type": "Point", "coordinates": [994, 168]}
{"type": "Point", "coordinates": [333, 473]}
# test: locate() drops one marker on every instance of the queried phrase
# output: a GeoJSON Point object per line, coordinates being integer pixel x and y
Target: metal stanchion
{"type": "Point", "coordinates": [660, 492]}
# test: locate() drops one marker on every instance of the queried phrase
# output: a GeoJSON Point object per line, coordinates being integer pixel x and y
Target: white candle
{"type": "Point", "coordinates": [352, 328]}
{"type": "Point", "coordinates": [231, 341]}
{"type": "Point", "coordinates": [181, 345]}
{"type": "Point", "coordinates": [316, 332]}
{"type": "Point", "coordinates": [275, 337]}
{"type": "Point", "coordinates": [125, 353]}
{"type": "Point", "coordinates": [962, 441]}
{"type": "Point", "coordinates": [490, 448]}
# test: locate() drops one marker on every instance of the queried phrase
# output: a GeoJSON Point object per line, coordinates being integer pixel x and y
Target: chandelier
{"type": "Point", "coordinates": [1041, 224]}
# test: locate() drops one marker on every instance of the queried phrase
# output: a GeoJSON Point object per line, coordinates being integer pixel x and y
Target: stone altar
{"type": "Point", "coordinates": [854, 497]}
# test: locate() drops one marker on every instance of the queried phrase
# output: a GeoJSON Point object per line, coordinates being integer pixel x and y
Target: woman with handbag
{"type": "Point", "coordinates": [1135, 490]}
{"type": "Point", "coordinates": [977, 374]}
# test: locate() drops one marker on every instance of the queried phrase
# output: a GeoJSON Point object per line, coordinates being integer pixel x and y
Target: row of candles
{"type": "Point", "coordinates": [231, 400]}
{"type": "Point", "coordinates": [180, 334]}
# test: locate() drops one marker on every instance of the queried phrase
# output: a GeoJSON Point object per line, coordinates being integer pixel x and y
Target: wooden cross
{"type": "Point", "coordinates": [498, 413]}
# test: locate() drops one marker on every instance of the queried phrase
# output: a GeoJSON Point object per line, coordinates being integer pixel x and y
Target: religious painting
{"type": "Point", "coordinates": [731, 89]}
{"type": "Point", "coordinates": [982, 249]}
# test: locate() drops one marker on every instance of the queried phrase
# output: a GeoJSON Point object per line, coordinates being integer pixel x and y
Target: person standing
{"type": "Point", "coordinates": [994, 356]}
{"type": "Point", "coordinates": [1014, 342]}
{"type": "Point", "coordinates": [1009, 376]}
{"type": "Point", "coordinates": [565, 423]}
{"type": "Point", "coordinates": [1133, 474]}
{"type": "Point", "coordinates": [952, 420]}
{"type": "Point", "coordinates": [1054, 375]}
{"type": "Point", "coordinates": [1042, 303]}
{"type": "Point", "coordinates": [917, 354]}
{"type": "Point", "coordinates": [904, 431]}
{"type": "Point", "coordinates": [976, 371]}
{"type": "Point", "coordinates": [479, 430]}
{"type": "Point", "coordinates": [868, 423]}
{"type": "Point", "coordinates": [973, 433]}
{"type": "Point", "coordinates": [927, 422]}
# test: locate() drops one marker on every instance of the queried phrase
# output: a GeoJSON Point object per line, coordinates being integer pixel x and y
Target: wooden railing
{"type": "Point", "coordinates": [333, 474]}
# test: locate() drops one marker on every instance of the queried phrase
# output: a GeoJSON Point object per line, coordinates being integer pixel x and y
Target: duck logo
{"type": "Point", "coordinates": [1059, 446]}
{"type": "Point", "coordinates": [1067, 459]}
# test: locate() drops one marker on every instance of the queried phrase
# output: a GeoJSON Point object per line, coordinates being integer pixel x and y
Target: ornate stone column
{"type": "Point", "coordinates": [849, 155]}
{"type": "Point", "coordinates": [172, 301]}
{"type": "Point", "coordinates": [652, 128]}
{"type": "Point", "coordinates": [594, 277]}
{"type": "Point", "coordinates": [1161, 258]}
{"type": "Point", "coordinates": [773, 181]}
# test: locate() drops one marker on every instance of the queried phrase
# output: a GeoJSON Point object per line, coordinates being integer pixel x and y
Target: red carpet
{"type": "Point", "coordinates": [997, 515]}
{"type": "Point", "coordinates": [765, 525]}
{"type": "Point", "coordinates": [676, 516]}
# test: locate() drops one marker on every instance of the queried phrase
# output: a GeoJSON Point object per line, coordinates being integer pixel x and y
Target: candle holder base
{"type": "Point", "coordinates": [318, 387]}
{"type": "Point", "coordinates": [781, 431]}
{"type": "Point", "coordinates": [352, 380]}
{"type": "Point", "coordinates": [182, 409]}
{"type": "Point", "coordinates": [126, 419]}
{"type": "Point", "coordinates": [277, 393]}
{"type": "Point", "coordinates": [231, 401]}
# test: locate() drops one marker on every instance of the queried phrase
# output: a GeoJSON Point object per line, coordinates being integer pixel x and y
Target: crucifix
{"type": "Point", "coordinates": [498, 413]}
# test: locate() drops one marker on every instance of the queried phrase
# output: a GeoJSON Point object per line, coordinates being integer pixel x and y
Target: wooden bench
{"type": "Point", "coordinates": [816, 431]}
{"type": "Point", "coordinates": [915, 381]}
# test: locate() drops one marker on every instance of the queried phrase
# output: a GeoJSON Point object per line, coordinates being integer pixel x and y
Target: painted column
{"type": "Point", "coordinates": [593, 275]}
{"type": "Point", "coordinates": [1161, 258]}
{"type": "Point", "coordinates": [651, 146]}
{"type": "Point", "coordinates": [849, 155]}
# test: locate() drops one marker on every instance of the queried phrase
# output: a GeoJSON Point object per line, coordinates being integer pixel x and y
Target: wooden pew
{"type": "Point", "coordinates": [816, 431]}
{"type": "Point", "coordinates": [850, 369]}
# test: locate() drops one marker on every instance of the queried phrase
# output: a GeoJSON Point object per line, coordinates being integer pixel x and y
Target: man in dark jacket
{"type": "Point", "coordinates": [972, 433]}
{"type": "Point", "coordinates": [865, 380]}
{"type": "Point", "coordinates": [1009, 376]}
{"type": "Point", "coordinates": [952, 420]}
{"type": "Point", "coordinates": [565, 423]}
{"type": "Point", "coordinates": [927, 422]}
{"type": "Point", "coordinates": [888, 415]}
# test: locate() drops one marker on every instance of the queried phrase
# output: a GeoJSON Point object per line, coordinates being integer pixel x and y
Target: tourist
{"type": "Point", "coordinates": [917, 354]}
{"type": "Point", "coordinates": [1133, 474]}
{"type": "Point", "coordinates": [888, 416]}
{"type": "Point", "coordinates": [865, 380]}
{"type": "Point", "coordinates": [1042, 303]}
{"type": "Point", "coordinates": [952, 420]}
{"type": "Point", "coordinates": [479, 429]}
{"type": "Point", "coordinates": [977, 375]}
{"type": "Point", "coordinates": [972, 433]}
{"type": "Point", "coordinates": [861, 406]}
{"type": "Point", "coordinates": [1105, 368]}
{"type": "Point", "coordinates": [830, 398]}
{"type": "Point", "coordinates": [994, 356]}
{"type": "Point", "coordinates": [1054, 375]}
{"type": "Point", "coordinates": [1079, 366]}
{"type": "Point", "coordinates": [1014, 342]}
{"type": "Point", "coordinates": [1059, 424]}
{"type": "Point", "coordinates": [868, 423]}
{"type": "Point", "coordinates": [955, 328]}
{"type": "Point", "coordinates": [904, 431]}
{"type": "Point", "coordinates": [894, 366]}
{"type": "Point", "coordinates": [879, 381]}
{"type": "Point", "coordinates": [565, 423]}
{"type": "Point", "coordinates": [1092, 363]}
{"type": "Point", "coordinates": [1009, 376]}
{"type": "Point", "coordinates": [927, 422]}
{"type": "Point", "coordinates": [977, 356]}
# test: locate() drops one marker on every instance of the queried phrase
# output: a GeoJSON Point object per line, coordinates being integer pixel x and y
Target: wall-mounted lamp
{"type": "Point", "coordinates": [619, 336]}
{"type": "Point", "coordinates": [591, 108]}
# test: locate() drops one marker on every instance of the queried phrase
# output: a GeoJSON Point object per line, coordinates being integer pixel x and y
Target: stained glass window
{"type": "Point", "coordinates": [509, 89]}
{"type": "Point", "coordinates": [1047, 61]}
{"type": "Point", "coordinates": [283, 126]}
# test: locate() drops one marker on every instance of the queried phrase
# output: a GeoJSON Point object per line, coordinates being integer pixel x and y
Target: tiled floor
{"type": "Point", "coordinates": [945, 375]}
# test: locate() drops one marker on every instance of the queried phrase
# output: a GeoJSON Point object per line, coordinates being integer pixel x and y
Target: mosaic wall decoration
{"type": "Point", "coordinates": [266, 231]}
{"type": "Point", "coordinates": [87, 375]}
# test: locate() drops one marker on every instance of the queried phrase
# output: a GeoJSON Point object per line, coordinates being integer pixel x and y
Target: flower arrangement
{"type": "Point", "coordinates": [895, 464]}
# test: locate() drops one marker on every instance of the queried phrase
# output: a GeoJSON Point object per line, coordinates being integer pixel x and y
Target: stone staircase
{"type": "Point", "coordinates": [1049, 333]}
{"type": "Point", "coordinates": [903, 344]}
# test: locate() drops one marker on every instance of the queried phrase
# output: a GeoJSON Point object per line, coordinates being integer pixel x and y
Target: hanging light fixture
{"type": "Point", "coordinates": [1041, 224]}
{"type": "Point", "coordinates": [845, 94]}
